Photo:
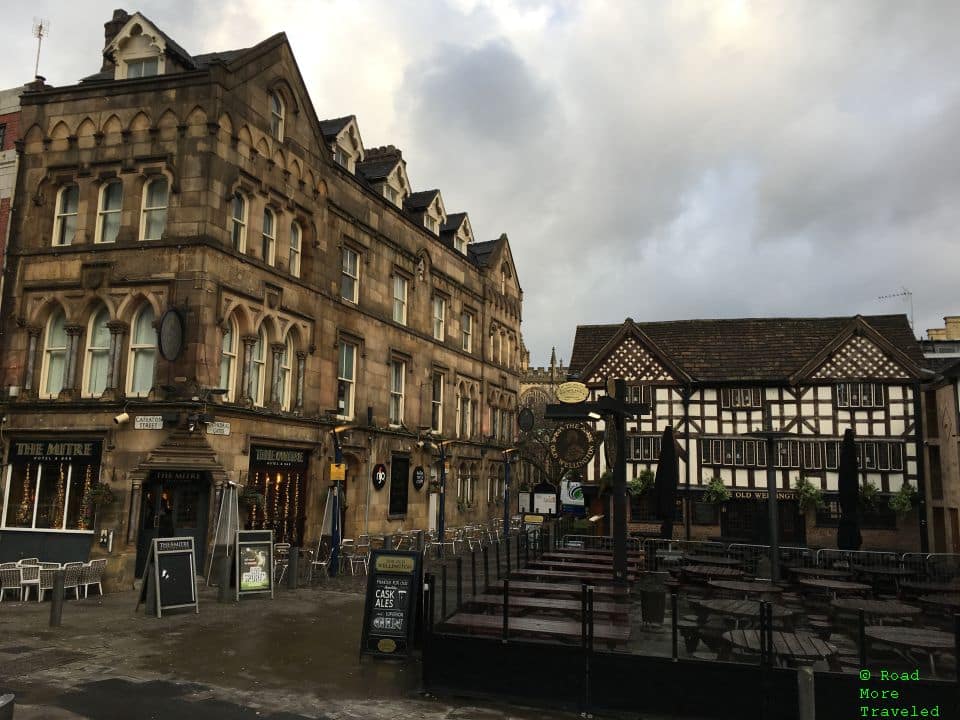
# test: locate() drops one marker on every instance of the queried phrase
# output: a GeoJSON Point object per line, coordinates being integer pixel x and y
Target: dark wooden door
{"type": "Point", "coordinates": [173, 510]}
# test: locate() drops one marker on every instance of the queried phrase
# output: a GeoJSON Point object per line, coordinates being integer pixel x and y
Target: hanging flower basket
{"type": "Point", "coordinates": [99, 496]}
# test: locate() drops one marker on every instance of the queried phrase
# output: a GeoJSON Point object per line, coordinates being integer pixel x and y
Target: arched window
{"type": "Point", "coordinates": [108, 212]}
{"type": "Point", "coordinates": [98, 352]}
{"type": "Point", "coordinates": [296, 239]}
{"type": "Point", "coordinates": [258, 369]}
{"type": "Point", "coordinates": [239, 222]}
{"type": "Point", "coordinates": [228, 359]}
{"type": "Point", "coordinates": [284, 376]}
{"type": "Point", "coordinates": [269, 247]}
{"type": "Point", "coordinates": [65, 221]}
{"type": "Point", "coordinates": [54, 355]}
{"type": "Point", "coordinates": [143, 353]}
{"type": "Point", "coordinates": [276, 116]}
{"type": "Point", "coordinates": [153, 217]}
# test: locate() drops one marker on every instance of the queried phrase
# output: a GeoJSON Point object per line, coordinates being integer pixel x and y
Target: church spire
{"type": "Point", "coordinates": [553, 363]}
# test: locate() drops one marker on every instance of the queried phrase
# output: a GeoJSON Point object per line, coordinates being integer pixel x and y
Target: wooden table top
{"type": "Point", "coordinates": [888, 608]}
{"type": "Point", "coordinates": [712, 571]}
{"type": "Point", "coordinates": [948, 600]}
{"type": "Point", "coordinates": [740, 608]}
{"type": "Point", "coordinates": [883, 570]}
{"type": "Point", "coordinates": [525, 601]}
{"type": "Point", "coordinates": [555, 588]}
{"type": "Point", "coordinates": [817, 572]}
{"type": "Point", "coordinates": [589, 557]}
{"type": "Point", "coordinates": [746, 586]}
{"type": "Point", "coordinates": [835, 585]}
{"type": "Point", "coordinates": [911, 637]}
{"type": "Point", "coordinates": [711, 560]}
{"type": "Point", "coordinates": [549, 627]}
{"type": "Point", "coordinates": [789, 645]}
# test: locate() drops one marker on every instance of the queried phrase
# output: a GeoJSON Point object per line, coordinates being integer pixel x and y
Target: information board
{"type": "Point", "coordinates": [393, 594]}
{"type": "Point", "coordinates": [254, 554]}
{"type": "Point", "coordinates": [171, 571]}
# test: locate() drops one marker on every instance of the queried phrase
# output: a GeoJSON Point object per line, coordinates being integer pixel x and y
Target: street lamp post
{"type": "Point", "coordinates": [771, 436]}
{"type": "Point", "coordinates": [506, 496]}
{"type": "Point", "coordinates": [441, 510]}
{"type": "Point", "coordinates": [335, 529]}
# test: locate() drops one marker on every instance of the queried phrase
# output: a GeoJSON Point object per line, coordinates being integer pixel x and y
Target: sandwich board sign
{"type": "Point", "coordinates": [254, 554]}
{"type": "Point", "coordinates": [393, 594]}
{"type": "Point", "coordinates": [170, 577]}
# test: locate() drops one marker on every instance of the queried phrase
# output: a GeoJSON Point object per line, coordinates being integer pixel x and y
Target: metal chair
{"type": "Point", "coordinates": [71, 577]}
{"type": "Point", "coordinates": [320, 559]}
{"type": "Point", "coordinates": [29, 577]}
{"type": "Point", "coordinates": [46, 582]}
{"type": "Point", "coordinates": [10, 579]}
{"type": "Point", "coordinates": [92, 574]}
{"type": "Point", "coordinates": [281, 559]}
{"type": "Point", "coordinates": [28, 561]}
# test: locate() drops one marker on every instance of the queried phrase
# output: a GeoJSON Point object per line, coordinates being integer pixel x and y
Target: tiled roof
{"type": "Point", "coordinates": [172, 47]}
{"type": "Point", "coordinates": [332, 128]}
{"type": "Point", "coordinates": [453, 223]}
{"type": "Point", "coordinates": [199, 63]}
{"type": "Point", "coordinates": [373, 170]}
{"type": "Point", "coordinates": [420, 200]}
{"type": "Point", "coordinates": [480, 252]}
{"type": "Point", "coordinates": [770, 349]}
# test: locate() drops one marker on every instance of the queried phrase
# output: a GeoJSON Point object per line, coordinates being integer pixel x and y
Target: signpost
{"type": "Point", "coordinates": [393, 592]}
{"type": "Point", "coordinates": [254, 554]}
{"type": "Point", "coordinates": [171, 573]}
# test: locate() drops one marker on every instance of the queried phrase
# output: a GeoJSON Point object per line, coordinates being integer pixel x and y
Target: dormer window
{"type": "Point", "coordinates": [143, 67]}
{"type": "Point", "coordinates": [139, 50]}
{"type": "Point", "coordinates": [340, 157]}
{"type": "Point", "coordinates": [460, 245]}
{"type": "Point", "coordinates": [430, 223]}
{"type": "Point", "coordinates": [390, 194]}
{"type": "Point", "coordinates": [276, 116]}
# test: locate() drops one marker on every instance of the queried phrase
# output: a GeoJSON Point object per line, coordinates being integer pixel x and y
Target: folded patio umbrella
{"type": "Point", "coordinates": [665, 482]}
{"type": "Point", "coordinates": [848, 531]}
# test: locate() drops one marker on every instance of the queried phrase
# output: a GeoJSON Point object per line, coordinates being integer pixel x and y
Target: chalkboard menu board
{"type": "Point", "coordinates": [254, 554]}
{"type": "Point", "coordinates": [171, 571]}
{"type": "Point", "coordinates": [393, 595]}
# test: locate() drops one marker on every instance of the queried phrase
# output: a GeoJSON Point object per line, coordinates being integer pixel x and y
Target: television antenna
{"type": "Point", "coordinates": [41, 28]}
{"type": "Point", "coordinates": [904, 293]}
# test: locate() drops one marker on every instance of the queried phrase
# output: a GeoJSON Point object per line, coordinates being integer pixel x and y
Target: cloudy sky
{"type": "Point", "coordinates": [657, 160]}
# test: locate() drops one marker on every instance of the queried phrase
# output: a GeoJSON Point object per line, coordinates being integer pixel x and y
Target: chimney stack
{"type": "Point", "coordinates": [110, 30]}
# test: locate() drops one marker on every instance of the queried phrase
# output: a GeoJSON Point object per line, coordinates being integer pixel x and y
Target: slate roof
{"type": "Point", "coordinates": [377, 168]}
{"type": "Point", "coordinates": [453, 223]}
{"type": "Point", "coordinates": [480, 252]}
{"type": "Point", "coordinates": [331, 128]}
{"type": "Point", "coordinates": [420, 200]}
{"type": "Point", "coordinates": [767, 349]}
{"type": "Point", "coordinates": [200, 62]}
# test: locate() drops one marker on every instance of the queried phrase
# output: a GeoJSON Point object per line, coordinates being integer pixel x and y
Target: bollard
{"type": "Point", "coordinates": [497, 554]}
{"type": "Point", "coordinates": [473, 572]}
{"type": "Point", "coordinates": [805, 693]}
{"type": "Point", "coordinates": [486, 571]}
{"type": "Point", "coordinates": [443, 591]}
{"type": "Point", "coordinates": [459, 583]}
{"type": "Point", "coordinates": [7, 703]}
{"type": "Point", "coordinates": [56, 597]}
{"type": "Point", "coordinates": [674, 608]}
{"type": "Point", "coordinates": [293, 568]}
{"type": "Point", "coordinates": [223, 578]}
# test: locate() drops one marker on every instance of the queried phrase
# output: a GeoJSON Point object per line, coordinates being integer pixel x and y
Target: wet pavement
{"type": "Point", "coordinates": [296, 656]}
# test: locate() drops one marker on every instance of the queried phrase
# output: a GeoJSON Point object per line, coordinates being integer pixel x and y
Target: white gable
{"type": "Point", "coordinates": [631, 362]}
{"type": "Point", "coordinates": [859, 358]}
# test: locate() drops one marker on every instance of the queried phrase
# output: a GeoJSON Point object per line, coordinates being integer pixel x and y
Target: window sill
{"type": "Point", "coordinates": [47, 530]}
{"type": "Point", "coordinates": [400, 517]}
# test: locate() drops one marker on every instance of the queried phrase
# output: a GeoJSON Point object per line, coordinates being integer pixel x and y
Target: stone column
{"type": "Point", "coordinates": [276, 349]}
{"type": "Point", "coordinates": [117, 331]}
{"type": "Point", "coordinates": [301, 372]}
{"type": "Point", "coordinates": [73, 347]}
{"type": "Point", "coordinates": [133, 525]}
{"type": "Point", "coordinates": [248, 342]}
{"type": "Point", "coordinates": [33, 333]}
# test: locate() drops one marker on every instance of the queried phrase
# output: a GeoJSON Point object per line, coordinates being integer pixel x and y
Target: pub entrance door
{"type": "Point", "coordinates": [747, 520]}
{"type": "Point", "coordinates": [174, 503]}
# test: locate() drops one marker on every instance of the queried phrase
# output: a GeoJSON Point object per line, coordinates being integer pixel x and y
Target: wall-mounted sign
{"type": "Point", "coordinates": [419, 477]}
{"type": "Point", "coordinates": [338, 472]}
{"type": "Point", "coordinates": [218, 428]}
{"type": "Point", "coordinates": [53, 450]}
{"type": "Point", "coordinates": [572, 445]}
{"type": "Point", "coordinates": [254, 554]}
{"type": "Point", "coordinates": [762, 494]}
{"type": "Point", "coordinates": [379, 476]}
{"type": "Point", "coordinates": [148, 422]}
{"type": "Point", "coordinates": [393, 592]}
{"type": "Point", "coordinates": [572, 392]}
{"type": "Point", "coordinates": [170, 334]}
{"type": "Point", "coordinates": [278, 457]}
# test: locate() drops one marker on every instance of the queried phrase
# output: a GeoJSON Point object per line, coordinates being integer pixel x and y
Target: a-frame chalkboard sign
{"type": "Point", "coordinates": [170, 575]}
{"type": "Point", "coordinates": [393, 597]}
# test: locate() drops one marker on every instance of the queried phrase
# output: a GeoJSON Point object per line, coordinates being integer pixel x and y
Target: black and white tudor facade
{"type": "Point", "coordinates": [711, 379]}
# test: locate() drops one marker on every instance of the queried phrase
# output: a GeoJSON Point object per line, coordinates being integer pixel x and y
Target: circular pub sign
{"type": "Point", "coordinates": [419, 477]}
{"type": "Point", "coordinates": [572, 445]}
{"type": "Point", "coordinates": [379, 476]}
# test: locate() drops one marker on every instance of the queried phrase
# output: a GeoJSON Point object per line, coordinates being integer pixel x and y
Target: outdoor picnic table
{"type": "Point", "coordinates": [941, 601]}
{"type": "Point", "coordinates": [875, 608]}
{"type": "Point", "coordinates": [739, 609]}
{"type": "Point", "coordinates": [606, 589]}
{"type": "Point", "coordinates": [884, 572]}
{"type": "Point", "coordinates": [818, 572]}
{"type": "Point", "coordinates": [599, 551]}
{"type": "Point", "coordinates": [704, 572]}
{"type": "Point", "coordinates": [590, 557]}
{"type": "Point", "coordinates": [916, 639]}
{"type": "Point", "coordinates": [931, 586]}
{"type": "Point", "coordinates": [572, 607]}
{"type": "Point", "coordinates": [792, 647]}
{"type": "Point", "coordinates": [585, 575]}
{"type": "Point", "coordinates": [537, 626]}
{"type": "Point", "coordinates": [832, 587]}
{"type": "Point", "coordinates": [712, 560]}
{"type": "Point", "coordinates": [746, 587]}
{"type": "Point", "coordinates": [571, 565]}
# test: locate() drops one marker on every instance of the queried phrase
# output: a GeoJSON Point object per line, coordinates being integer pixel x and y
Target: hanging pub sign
{"type": "Point", "coordinates": [254, 554]}
{"type": "Point", "coordinates": [379, 476]}
{"type": "Point", "coordinates": [170, 577]}
{"type": "Point", "coordinates": [572, 392]}
{"type": "Point", "coordinates": [572, 445]}
{"type": "Point", "coordinates": [611, 442]}
{"type": "Point", "coordinates": [419, 477]}
{"type": "Point", "coordinates": [393, 592]}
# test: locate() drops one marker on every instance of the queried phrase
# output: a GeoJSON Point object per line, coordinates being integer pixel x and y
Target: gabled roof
{"type": "Point", "coordinates": [420, 200]}
{"type": "Point", "coordinates": [480, 252]}
{"type": "Point", "coordinates": [747, 349]}
{"type": "Point", "coordinates": [332, 128]}
{"type": "Point", "coordinates": [200, 62]}
{"type": "Point", "coordinates": [453, 223]}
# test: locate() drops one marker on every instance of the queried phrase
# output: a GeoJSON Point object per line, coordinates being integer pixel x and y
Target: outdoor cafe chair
{"type": "Point", "coordinates": [450, 539]}
{"type": "Point", "coordinates": [29, 577]}
{"type": "Point", "coordinates": [321, 559]}
{"type": "Point", "coordinates": [8, 565]}
{"type": "Point", "coordinates": [28, 561]}
{"type": "Point", "coordinates": [49, 566]}
{"type": "Point", "coordinates": [71, 577]}
{"type": "Point", "coordinates": [92, 574]}
{"type": "Point", "coordinates": [281, 559]}
{"type": "Point", "coordinates": [10, 579]}
{"type": "Point", "coordinates": [46, 582]}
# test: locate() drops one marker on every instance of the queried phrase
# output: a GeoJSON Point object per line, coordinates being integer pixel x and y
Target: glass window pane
{"type": "Point", "coordinates": [69, 200]}
{"type": "Point", "coordinates": [23, 486]}
{"type": "Point", "coordinates": [157, 193]}
{"type": "Point", "coordinates": [142, 381]}
{"type": "Point", "coordinates": [145, 333]}
{"type": "Point", "coordinates": [52, 495]}
{"type": "Point", "coordinates": [112, 196]}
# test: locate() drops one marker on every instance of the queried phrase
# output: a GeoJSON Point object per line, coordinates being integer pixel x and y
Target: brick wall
{"type": "Point", "coordinates": [12, 121]}
{"type": "Point", "coordinates": [4, 223]}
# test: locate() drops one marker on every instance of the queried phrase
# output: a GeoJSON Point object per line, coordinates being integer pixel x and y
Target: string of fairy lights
{"type": "Point", "coordinates": [280, 509]}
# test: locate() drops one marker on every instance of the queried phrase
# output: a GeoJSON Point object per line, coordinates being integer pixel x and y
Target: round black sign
{"type": "Point", "coordinates": [419, 477]}
{"type": "Point", "coordinates": [611, 445]}
{"type": "Point", "coordinates": [572, 445]}
{"type": "Point", "coordinates": [379, 476]}
{"type": "Point", "coordinates": [525, 419]}
{"type": "Point", "coordinates": [170, 335]}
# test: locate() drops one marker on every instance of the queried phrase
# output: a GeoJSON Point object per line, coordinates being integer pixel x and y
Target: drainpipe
{"type": "Point", "coordinates": [921, 480]}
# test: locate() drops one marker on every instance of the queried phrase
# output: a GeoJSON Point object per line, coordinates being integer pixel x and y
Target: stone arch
{"type": "Point", "coordinates": [226, 124]}
{"type": "Point", "coordinates": [322, 188]}
{"type": "Point", "coordinates": [90, 304]}
{"type": "Point", "coordinates": [33, 139]}
{"type": "Point", "coordinates": [294, 335]}
{"type": "Point", "coordinates": [244, 142]}
{"type": "Point", "coordinates": [197, 122]}
{"type": "Point", "coordinates": [263, 148]}
{"type": "Point", "coordinates": [85, 132]}
{"type": "Point", "coordinates": [280, 86]}
{"type": "Point", "coordinates": [296, 170]}
{"type": "Point", "coordinates": [269, 325]}
{"type": "Point", "coordinates": [41, 314]}
{"type": "Point", "coordinates": [310, 179]}
{"type": "Point", "coordinates": [60, 131]}
{"type": "Point", "coordinates": [140, 122]}
{"type": "Point", "coordinates": [112, 126]}
{"type": "Point", "coordinates": [279, 159]}
{"type": "Point", "coordinates": [131, 305]}
{"type": "Point", "coordinates": [168, 125]}
{"type": "Point", "coordinates": [240, 313]}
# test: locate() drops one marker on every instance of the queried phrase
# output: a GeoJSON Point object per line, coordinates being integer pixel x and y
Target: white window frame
{"type": "Point", "coordinates": [145, 210]}
{"type": "Point", "coordinates": [400, 286]}
{"type": "Point", "coordinates": [238, 237]}
{"type": "Point", "coordinates": [61, 217]}
{"type": "Point", "coordinates": [340, 156]}
{"type": "Point", "coordinates": [466, 331]}
{"type": "Point", "coordinates": [257, 393]}
{"type": "Point", "coordinates": [102, 213]}
{"type": "Point", "coordinates": [439, 318]}
{"type": "Point", "coordinates": [436, 403]}
{"type": "Point", "coordinates": [351, 381]}
{"type": "Point", "coordinates": [49, 350]}
{"type": "Point", "coordinates": [430, 223]}
{"type": "Point", "coordinates": [398, 370]}
{"type": "Point", "coordinates": [286, 375]}
{"type": "Point", "coordinates": [278, 115]}
{"type": "Point", "coordinates": [459, 244]}
{"type": "Point", "coordinates": [268, 246]}
{"type": "Point", "coordinates": [296, 248]}
{"type": "Point", "coordinates": [139, 61]}
{"type": "Point", "coordinates": [89, 352]}
{"type": "Point", "coordinates": [230, 356]}
{"type": "Point", "coordinates": [345, 254]}
{"type": "Point", "coordinates": [135, 349]}
{"type": "Point", "coordinates": [390, 193]}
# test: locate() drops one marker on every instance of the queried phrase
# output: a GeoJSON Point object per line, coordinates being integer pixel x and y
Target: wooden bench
{"type": "Point", "coordinates": [552, 588]}
{"type": "Point", "coordinates": [621, 610]}
{"type": "Point", "coordinates": [585, 575]}
{"type": "Point", "coordinates": [535, 626]}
